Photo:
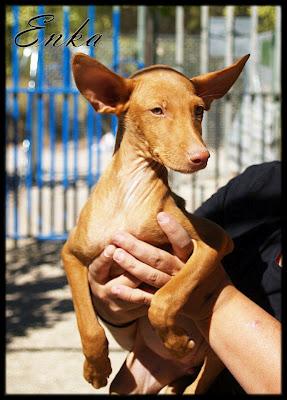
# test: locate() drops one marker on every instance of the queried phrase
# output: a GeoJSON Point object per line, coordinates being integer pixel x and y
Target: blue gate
{"type": "Point", "coordinates": [57, 146]}
{"type": "Point", "coordinates": [53, 156]}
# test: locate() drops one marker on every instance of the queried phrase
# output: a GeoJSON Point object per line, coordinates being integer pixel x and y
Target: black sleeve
{"type": "Point", "coordinates": [248, 200]}
{"type": "Point", "coordinates": [248, 208]}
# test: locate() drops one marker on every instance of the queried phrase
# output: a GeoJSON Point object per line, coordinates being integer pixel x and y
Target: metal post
{"type": "Point", "coordinates": [179, 56]}
{"type": "Point", "coordinates": [203, 68]}
{"type": "Point", "coordinates": [150, 37]}
{"type": "Point", "coordinates": [40, 123]}
{"type": "Point", "coordinates": [96, 118]}
{"type": "Point", "coordinates": [277, 55]}
{"type": "Point", "coordinates": [15, 113]}
{"type": "Point", "coordinates": [228, 59]}
{"type": "Point", "coordinates": [116, 53]}
{"type": "Point", "coordinates": [204, 39]}
{"type": "Point", "coordinates": [277, 81]}
{"type": "Point", "coordinates": [179, 37]}
{"type": "Point", "coordinates": [65, 113]}
{"type": "Point", "coordinates": [204, 48]}
{"type": "Point", "coordinates": [254, 87]}
{"type": "Point", "coordinates": [116, 37]}
{"type": "Point", "coordinates": [141, 34]}
{"type": "Point", "coordinates": [253, 78]}
{"type": "Point", "coordinates": [91, 26]}
{"type": "Point", "coordinates": [229, 35]}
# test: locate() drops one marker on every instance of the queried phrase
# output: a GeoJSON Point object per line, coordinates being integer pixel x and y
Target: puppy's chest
{"type": "Point", "coordinates": [108, 219]}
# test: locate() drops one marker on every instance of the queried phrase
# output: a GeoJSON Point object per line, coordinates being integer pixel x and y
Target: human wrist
{"type": "Point", "coordinates": [223, 296]}
{"type": "Point", "coordinates": [123, 334]}
{"type": "Point", "coordinates": [117, 324]}
{"type": "Point", "coordinates": [107, 317]}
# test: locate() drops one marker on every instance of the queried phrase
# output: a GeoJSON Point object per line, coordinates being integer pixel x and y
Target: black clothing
{"type": "Point", "coordinates": [248, 208]}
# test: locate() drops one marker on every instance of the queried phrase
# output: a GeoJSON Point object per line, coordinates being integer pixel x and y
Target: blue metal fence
{"type": "Point", "coordinates": [55, 139]}
{"type": "Point", "coordinates": [26, 197]}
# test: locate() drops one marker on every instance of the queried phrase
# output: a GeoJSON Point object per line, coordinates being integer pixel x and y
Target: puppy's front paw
{"type": "Point", "coordinates": [176, 341]}
{"type": "Point", "coordinates": [175, 338]}
{"type": "Point", "coordinates": [97, 372]}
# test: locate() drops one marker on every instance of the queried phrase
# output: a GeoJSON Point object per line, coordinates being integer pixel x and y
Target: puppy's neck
{"type": "Point", "coordinates": [137, 174]}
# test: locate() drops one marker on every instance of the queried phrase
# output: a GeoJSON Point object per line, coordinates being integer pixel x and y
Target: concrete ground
{"type": "Point", "coordinates": [43, 354]}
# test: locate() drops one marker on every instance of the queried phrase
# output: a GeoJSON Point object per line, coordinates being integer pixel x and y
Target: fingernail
{"type": "Point", "coordinates": [109, 251]}
{"type": "Point", "coordinates": [119, 255]}
{"type": "Point", "coordinates": [163, 217]}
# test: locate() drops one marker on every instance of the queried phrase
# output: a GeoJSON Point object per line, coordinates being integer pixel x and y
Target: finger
{"type": "Point", "coordinates": [179, 238]}
{"type": "Point", "coordinates": [136, 296]}
{"type": "Point", "coordinates": [146, 253]}
{"type": "Point", "coordinates": [141, 271]}
{"type": "Point", "coordinates": [125, 279]}
{"type": "Point", "coordinates": [100, 268]}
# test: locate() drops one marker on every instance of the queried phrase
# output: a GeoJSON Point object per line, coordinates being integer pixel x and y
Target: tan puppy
{"type": "Point", "coordinates": [160, 112]}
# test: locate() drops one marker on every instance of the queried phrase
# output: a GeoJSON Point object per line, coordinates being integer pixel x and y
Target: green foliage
{"type": "Point", "coordinates": [266, 18]}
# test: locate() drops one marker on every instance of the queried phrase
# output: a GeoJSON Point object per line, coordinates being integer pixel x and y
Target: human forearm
{"type": "Point", "coordinates": [124, 336]}
{"type": "Point", "coordinates": [247, 339]}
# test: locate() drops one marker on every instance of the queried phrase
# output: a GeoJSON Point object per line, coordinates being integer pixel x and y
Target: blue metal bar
{"type": "Point", "coordinates": [52, 129]}
{"type": "Point", "coordinates": [62, 90]}
{"type": "Point", "coordinates": [52, 237]}
{"type": "Point", "coordinates": [76, 135]}
{"type": "Point", "coordinates": [116, 37]}
{"type": "Point", "coordinates": [114, 124]}
{"type": "Point", "coordinates": [66, 51]}
{"type": "Point", "coordinates": [40, 119]}
{"type": "Point", "coordinates": [90, 129]}
{"type": "Point", "coordinates": [116, 54]}
{"type": "Point", "coordinates": [66, 79]}
{"type": "Point", "coordinates": [65, 115]}
{"type": "Point", "coordinates": [90, 111]}
{"type": "Point", "coordinates": [15, 112]}
{"type": "Point", "coordinates": [97, 117]}
{"type": "Point", "coordinates": [39, 237]}
{"type": "Point", "coordinates": [76, 151]}
{"type": "Point", "coordinates": [98, 137]}
{"type": "Point", "coordinates": [91, 27]}
{"type": "Point", "coordinates": [43, 90]}
{"type": "Point", "coordinates": [29, 173]}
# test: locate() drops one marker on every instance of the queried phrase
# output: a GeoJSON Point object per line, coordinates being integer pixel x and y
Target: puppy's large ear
{"type": "Point", "coordinates": [214, 85]}
{"type": "Point", "coordinates": [106, 91]}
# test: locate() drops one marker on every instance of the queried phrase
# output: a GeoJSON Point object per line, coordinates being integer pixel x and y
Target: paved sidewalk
{"type": "Point", "coordinates": [43, 353]}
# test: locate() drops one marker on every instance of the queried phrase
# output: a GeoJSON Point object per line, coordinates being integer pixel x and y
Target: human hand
{"type": "Point", "coordinates": [155, 267]}
{"type": "Point", "coordinates": [146, 268]}
{"type": "Point", "coordinates": [104, 296]}
{"type": "Point", "coordinates": [151, 265]}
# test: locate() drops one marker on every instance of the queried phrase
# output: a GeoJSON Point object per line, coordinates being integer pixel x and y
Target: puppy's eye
{"type": "Point", "coordinates": [199, 111]}
{"type": "Point", "coordinates": [157, 111]}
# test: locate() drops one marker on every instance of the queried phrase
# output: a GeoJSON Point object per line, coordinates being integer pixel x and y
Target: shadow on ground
{"type": "Point", "coordinates": [37, 292]}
